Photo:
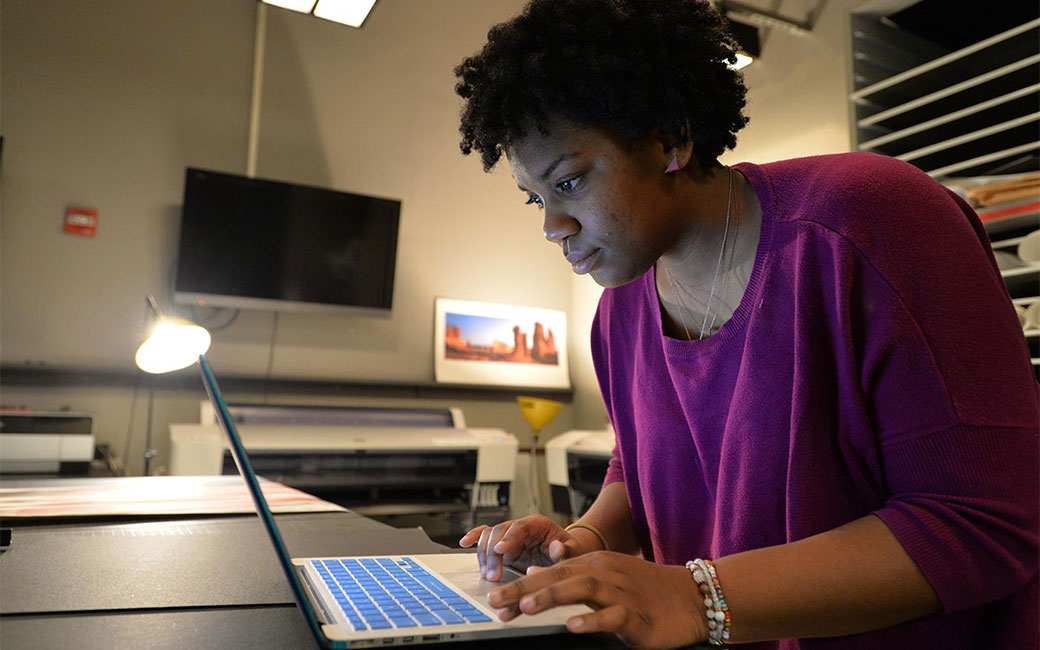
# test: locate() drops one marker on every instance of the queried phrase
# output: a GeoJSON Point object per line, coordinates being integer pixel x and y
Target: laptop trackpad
{"type": "Point", "coordinates": [461, 570]}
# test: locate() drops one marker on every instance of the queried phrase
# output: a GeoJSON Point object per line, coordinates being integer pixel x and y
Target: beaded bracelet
{"type": "Point", "coordinates": [717, 612]}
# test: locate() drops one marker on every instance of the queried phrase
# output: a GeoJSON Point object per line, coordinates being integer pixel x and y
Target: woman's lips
{"type": "Point", "coordinates": [585, 263]}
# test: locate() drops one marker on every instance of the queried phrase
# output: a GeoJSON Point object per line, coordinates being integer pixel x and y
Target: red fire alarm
{"type": "Point", "coordinates": [81, 221]}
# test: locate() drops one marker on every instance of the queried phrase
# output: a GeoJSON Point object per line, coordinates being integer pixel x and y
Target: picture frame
{"type": "Point", "coordinates": [499, 345]}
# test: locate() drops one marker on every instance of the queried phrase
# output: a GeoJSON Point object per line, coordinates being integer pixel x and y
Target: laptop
{"type": "Point", "coordinates": [369, 601]}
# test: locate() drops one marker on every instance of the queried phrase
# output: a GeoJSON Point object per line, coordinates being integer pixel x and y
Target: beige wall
{"type": "Point", "coordinates": [105, 102]}
{"type": "Point", "coordinates": [798, 89]}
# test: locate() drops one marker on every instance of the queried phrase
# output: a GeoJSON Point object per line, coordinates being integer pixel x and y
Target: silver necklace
{"type": "Point", "coordinates": [705, 326]}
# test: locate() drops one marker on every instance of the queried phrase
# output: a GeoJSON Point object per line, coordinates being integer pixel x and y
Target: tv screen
{"type": "Point", "coordinates": [261, 244]}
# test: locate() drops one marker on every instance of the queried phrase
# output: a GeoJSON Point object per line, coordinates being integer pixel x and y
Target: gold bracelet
{"type": "Point", "coordinates": [595, 531]}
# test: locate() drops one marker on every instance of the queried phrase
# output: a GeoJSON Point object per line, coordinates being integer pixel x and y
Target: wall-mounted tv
{"type": "Point", "coordinates": [260, 244]}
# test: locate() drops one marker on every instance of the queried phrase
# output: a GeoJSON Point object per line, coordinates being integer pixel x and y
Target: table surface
{"type": "Point", "coordinates": [183, 583]}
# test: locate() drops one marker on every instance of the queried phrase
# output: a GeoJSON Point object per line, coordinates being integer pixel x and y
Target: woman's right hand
{"type": "Point", "coordinates": [520, 543]}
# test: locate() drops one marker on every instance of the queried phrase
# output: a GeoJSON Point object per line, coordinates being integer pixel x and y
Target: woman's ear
{"type": "Point", "coordinates": [678, 156]}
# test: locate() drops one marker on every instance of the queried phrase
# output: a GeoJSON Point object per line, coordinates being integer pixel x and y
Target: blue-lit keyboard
{"type": "Point", "coordinates": [383, 593]}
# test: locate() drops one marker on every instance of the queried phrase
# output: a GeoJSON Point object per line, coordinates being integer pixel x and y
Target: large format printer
{"type": "Point", "coordinates": [376, 461]}
{"type": "Point", "coordinates": [37, 442]}
{"type": "Point", "coordinates": [576, 464]}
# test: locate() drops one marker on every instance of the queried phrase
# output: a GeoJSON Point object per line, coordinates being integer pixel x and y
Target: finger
{"type": "Point", "coordinates": [511, 593]}
{"type": "Point", "coordinates": [494, 558]}
{"type": "Point", "coordinates": [584, 587]}
{"type": "Point", "coordinates": [562, 548]}
{"type": "Point", "coordinates": [471, 536]}
{"type": "Point", "coordinates": [482, 550]}
{"type": "Point", "coordinates": [513, 537]}
{"type": "Point", "coordinates": [557, 551]}
{"type": "Point", "coordinates": [522, 536]}
{"type": "Point", "coordinates": [608, 619]}
{"type": "Point", "coordinates": [506, 614]}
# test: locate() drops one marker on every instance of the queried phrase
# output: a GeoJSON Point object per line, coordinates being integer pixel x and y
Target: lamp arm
{"type": "Point", "coordinates": [153, 304]}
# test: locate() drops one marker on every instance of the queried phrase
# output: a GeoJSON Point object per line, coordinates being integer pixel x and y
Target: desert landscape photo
{"type": "Point", "coordinates": [481, 338]}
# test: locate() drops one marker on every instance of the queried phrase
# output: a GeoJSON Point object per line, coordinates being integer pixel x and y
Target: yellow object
{"type": "Point", "coordinates": [601, 536]}
{"type": "Point", "coordinates": [538, 412]}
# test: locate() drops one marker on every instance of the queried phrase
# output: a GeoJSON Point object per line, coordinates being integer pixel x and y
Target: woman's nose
{"type": "Point", "coordinates": [557, 226]}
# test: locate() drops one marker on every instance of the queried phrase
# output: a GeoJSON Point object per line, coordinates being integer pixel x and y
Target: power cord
{"type": "Point", "coordinates": [270, 355]}
{"type": "Point", "coordinates": [130, 425]}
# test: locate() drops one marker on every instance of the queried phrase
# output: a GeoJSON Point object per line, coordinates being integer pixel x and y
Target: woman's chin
{"type": "Point", "coordinates": [610, 278]}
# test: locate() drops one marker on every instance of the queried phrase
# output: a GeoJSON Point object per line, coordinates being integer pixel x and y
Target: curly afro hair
{"type": "Point", "coordinates": [631, 65]}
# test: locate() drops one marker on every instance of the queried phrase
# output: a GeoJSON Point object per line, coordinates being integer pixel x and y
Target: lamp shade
{"type": "Point", "coordinates": [174, 343]}
{"type": "Point", "coordinates": [537, 411]}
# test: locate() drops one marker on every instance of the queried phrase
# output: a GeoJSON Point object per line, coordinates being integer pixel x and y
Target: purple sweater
{"type": "Point", "coordinates": [874, 366]}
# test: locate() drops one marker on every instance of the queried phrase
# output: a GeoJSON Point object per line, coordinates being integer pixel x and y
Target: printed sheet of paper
{"type": "Point", "coordinates": [154, 495]}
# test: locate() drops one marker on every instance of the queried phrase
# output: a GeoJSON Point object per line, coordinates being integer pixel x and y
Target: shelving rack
{"type": "Point", "coordinates": [970, 112]}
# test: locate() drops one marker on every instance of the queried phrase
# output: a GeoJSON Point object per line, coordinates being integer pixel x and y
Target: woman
{"type": "Point", "coordinates": [827, 423]}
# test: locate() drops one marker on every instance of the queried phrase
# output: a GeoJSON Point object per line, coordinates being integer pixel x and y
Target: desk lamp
{"type": "Point", "coordinates": [172, 344]}
{"type": "Point", "coordinates": [538, 412]}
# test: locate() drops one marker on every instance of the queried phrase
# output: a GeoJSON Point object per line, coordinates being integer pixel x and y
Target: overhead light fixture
{"type": "Point", "coordinates": [743, 61]}
{"type": "Point", "coordinates": [302, 6]}
{"type": "Point", "coordinates": [172, 344]}
{"type": "Point", "coordinates": [771, 19]}
{"type": "Point", "coordinates": [346, 12]}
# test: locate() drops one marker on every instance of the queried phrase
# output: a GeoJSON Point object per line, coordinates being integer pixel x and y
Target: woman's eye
{"type": "Point", "coordinates": [534, 199]}
{"type": "Point", "coordinates": [569, 185]}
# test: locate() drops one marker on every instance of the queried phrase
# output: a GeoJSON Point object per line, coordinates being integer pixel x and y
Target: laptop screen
{"type": "Point", "coordinates": [238, 452]}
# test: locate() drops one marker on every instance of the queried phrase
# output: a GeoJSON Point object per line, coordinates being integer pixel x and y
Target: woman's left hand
{"type": "Point", "coordinates": [646, 605]}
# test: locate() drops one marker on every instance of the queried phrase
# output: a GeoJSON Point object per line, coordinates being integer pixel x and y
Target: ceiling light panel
{"type": "Point", "coordinates": [348, 12]}
{"type": "Point", "coordinates": [303, 6]}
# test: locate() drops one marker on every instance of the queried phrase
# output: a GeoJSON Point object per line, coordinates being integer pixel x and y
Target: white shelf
{"type": "Point", "coordinates": [1025, 301]}
{"type": "Point", "coordinates": [1006, 243]}
{"type": "Point", "coordinates": [950, 117]}
{"type": "Point", "coordinates": [1022, 221]}
{"type": "Point", "coordinates": [943, 60]}
{"type": "Point", "coordinates": [1031, 334]}
{"type": "Point", "coordinates": [1036, 362]}
{"type": "Point", "coordinates": [949, 170]}
{"type": "Point", "coordinates": [1025, 270]}
{"type": "Point", "coordinates": [918, 102]}
{"type": "Point", "coordinates": [969, 137]}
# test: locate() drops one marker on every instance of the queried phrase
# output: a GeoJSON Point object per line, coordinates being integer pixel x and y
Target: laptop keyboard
{"type": "Point", "coordinates": [383, 593]}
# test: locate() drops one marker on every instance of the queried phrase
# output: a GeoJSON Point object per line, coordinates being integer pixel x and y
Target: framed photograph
{"type": "Point", "coordinates": [500, 345]}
